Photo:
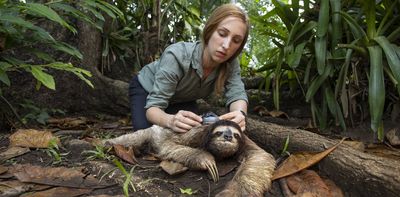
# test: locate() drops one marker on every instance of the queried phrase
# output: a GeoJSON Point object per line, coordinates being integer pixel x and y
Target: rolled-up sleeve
{"type": "Point", "coordinates": [234, 87]}
{"type": "Point", "coordinates": [165, 81]}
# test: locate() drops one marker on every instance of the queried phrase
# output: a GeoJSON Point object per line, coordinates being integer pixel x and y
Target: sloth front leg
{"type": "Point", "coordinates": [190, 157]}
{"type": "Point", "coordinates": [253, 177]}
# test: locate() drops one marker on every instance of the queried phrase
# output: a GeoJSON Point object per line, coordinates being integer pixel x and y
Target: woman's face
{"type": "Point", "coordinates": [225, 40]}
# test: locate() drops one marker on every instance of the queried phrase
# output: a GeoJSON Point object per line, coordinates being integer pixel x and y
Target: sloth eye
{"type": "Point", "coordinates": [218, 133]}
{"type": "Point", "coordinates": [237, 135]}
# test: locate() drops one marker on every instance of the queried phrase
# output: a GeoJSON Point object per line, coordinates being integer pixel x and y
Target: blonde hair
{"type": "Point", "coordinates": [216, 17]}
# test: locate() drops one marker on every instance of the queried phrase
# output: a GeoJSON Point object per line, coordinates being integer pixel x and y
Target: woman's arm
{"type": "Point", "coordinates": [182, 121]}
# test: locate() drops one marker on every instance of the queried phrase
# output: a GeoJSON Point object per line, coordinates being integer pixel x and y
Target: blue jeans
{"type": "Point", "coordinates": [137, 98]}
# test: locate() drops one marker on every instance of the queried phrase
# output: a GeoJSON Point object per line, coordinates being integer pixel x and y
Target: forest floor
{"type": "Point", "coordinates": [76, 168]}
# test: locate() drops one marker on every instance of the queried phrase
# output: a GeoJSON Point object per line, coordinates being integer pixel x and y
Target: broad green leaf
{"type": "Point", "coordinates": [75, 12]}
{"type": "Point", "coordinates": [356, 29]}
{"type": "Point", "coordinates": [323, 18]}
{"type": "Point", "coordinates": [317, 82]}
{"type": "Point", "coordinates": [43, 77]}
{"type": "Point", "coordinates": [336, 26]}
{"type": "Point", "coordinates": [67, 49]}
{"type": "Point", "coordinates": [306, 28]}
{"type": "Point", "coordinates": [23, 23]}
{"type": "Point", "coordinates": [391, 56]}
{"type": "Point", "coordinates": [4, 77]}
{"type": "Point", "coordinates": [294, 58]}
{"type": "Point", "coordinates": [376, 87]}
{"type": "Point", "coordinates": [320, 53]}
{"type": "Point", "coordinates": [49, 13]}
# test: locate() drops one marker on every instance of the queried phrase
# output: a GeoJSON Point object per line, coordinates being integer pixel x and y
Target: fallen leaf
{"type": "Point", "coordinates": [59, 176]}
{"type": "Point", "coordinates": [59, 191]}
{"type": "Point", "coordinates": [173, 168]}
{"type": "Point", "coordinates": [12, 152]}
{"type": "Point", "coordinates": [261, 110]}
{"type": "Point", "coordinates": [300, 161]}
{"type": "Point", "coordinates": [278, 114]}
{"type": "Point", "coordinates": [335, 190]}
{"type": "Point", "coordinates": [307, 182]}
{"type": "Point", "coordinates": [126, 155]}
{"type": "Point", "coordinates": [14, 188]}
{"type": "Point", "coordinates": [32, 138]}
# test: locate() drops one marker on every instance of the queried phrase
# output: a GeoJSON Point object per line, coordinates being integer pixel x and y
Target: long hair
{"type": "Point", "coordinates": [218, 15]}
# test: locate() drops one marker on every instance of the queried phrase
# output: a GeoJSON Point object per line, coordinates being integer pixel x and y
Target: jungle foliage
{"type": "Point", "coordinates": [344, 55]}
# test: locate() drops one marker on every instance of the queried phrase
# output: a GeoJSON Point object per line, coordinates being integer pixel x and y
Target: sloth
{"type": "Point", "coordinates": [202, 146]}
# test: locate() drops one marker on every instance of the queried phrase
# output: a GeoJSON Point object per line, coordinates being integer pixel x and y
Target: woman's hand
{"type": "Point", "coordinates": [183, 121]}
{"type": "Point", "coordinates": [235, 116]}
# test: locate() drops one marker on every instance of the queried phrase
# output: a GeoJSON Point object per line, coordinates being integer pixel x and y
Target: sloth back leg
{"type": "Point", "coordinates": [253, 177]}
{"type": "Point", "coordinates": [135, 139]}
{"type": "Point", "coordinates": [190, 157]}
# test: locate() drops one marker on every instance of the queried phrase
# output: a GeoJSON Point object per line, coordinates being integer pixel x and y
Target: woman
{"type": "Point", "coordinates": [165, 91]}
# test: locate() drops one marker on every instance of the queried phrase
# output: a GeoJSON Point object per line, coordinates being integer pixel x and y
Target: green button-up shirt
{"type": "Point", "coordinates": [177, 77]}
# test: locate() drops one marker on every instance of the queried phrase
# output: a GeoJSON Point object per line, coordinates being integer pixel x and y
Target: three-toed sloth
{"type": "Point", "coordinates": [200, 147]}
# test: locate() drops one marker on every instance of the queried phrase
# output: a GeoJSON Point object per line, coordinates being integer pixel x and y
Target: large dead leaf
{"type": "Point", "coordinates": [59, 176]}
{"type": "Point", "coordinates": [59, 191]}
{"type": "Point", "coordinates": [32, 138]}
{"type": "Point", "coordinates": [300, 161]}
{"type": "Point", "coordinates": [307, 181]}
{"type": "Point", "coordinates": [12, 152]}
{"type": "Point", "coordinates": [15, 187]}
{"type": "Point", "coordinates": [125, 154]}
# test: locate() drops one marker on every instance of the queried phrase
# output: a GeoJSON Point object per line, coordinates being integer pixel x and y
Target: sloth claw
{"type": "Point", "coordinates": [212, 169]}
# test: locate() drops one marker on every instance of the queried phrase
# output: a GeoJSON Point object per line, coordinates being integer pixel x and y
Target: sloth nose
{"type": "Point", "coordinates": [228, 137]}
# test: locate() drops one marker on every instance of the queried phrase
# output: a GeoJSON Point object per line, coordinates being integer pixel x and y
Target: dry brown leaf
{"type": "Point", "coordinates": [300, 161]}
{"type": "Point", "coordinates": [150, 157]}
{"type": "Point", "coordinates": [278, 114]}
{"type": "Point", "coordinates": [308, 182]}
{"type": "Point", "coordinates": [32, 138]}
{"type": "Point", "coordinates": [173, 168]}
{"type": "Point", "coordinates": [261, 110]}
{"type": "Point", "coordinates": [14, 188]}
{"type": "Point", "coordinates": [59, 191]}
{"type": "Point", "coordinates": [59, 176]}
{"type": "Point", "coordinates": [335, 190]}
{"type": "Point", "coordinates": [13, 151]}
{"type": "Point", "coordinates": [126, 155]}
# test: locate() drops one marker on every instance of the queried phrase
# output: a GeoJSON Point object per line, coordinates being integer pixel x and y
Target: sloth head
{"type": "Point", "coordinates": [224, 139]}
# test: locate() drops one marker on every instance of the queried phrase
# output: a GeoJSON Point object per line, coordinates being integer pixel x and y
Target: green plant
{"type": "Point", "coordinates": [285, 147]}
{"type": "Point", "coordinates": [53, 151]}
{"type": "Point", "coordinates": [128, 177]}
{"type": "Point", "coordinates": [40, 115]}
{"type": "Point", "coordinates": [188, 191]}
{"type": "Point", "coordinates": [101, 152]}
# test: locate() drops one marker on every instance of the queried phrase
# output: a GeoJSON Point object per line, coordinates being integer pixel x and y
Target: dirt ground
{"type": "Point", "coordinates": [149, 178]}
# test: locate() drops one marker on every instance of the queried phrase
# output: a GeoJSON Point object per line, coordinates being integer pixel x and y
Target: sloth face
{"type": "Point", "coordinates": [225, 141]}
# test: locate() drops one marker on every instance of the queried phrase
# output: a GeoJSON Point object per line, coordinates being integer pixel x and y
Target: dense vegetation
{"type": "Point", "coordinates": [343, 56]}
